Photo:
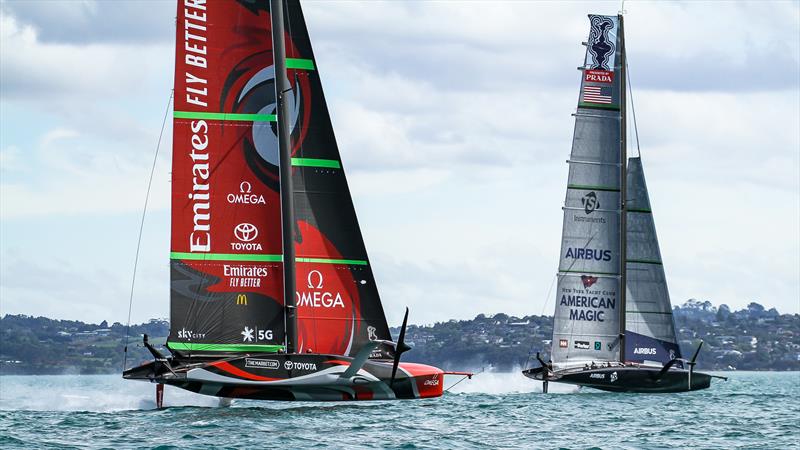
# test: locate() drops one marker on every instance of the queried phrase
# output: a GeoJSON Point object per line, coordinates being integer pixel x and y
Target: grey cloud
{"type": "Point", "coordinates": [96, 21]}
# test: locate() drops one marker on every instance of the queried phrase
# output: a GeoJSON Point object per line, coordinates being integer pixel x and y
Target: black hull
{"type": "Point", "coordinates": [627, 379]}
{"type": "Point", "coordinates": [292, 377]}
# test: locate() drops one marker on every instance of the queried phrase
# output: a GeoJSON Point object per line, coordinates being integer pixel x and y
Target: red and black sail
{"type": "Point", "coordinates": [226, 258]}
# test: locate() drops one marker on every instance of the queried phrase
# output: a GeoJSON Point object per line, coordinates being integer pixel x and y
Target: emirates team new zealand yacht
{"type": "Point", "coordinates": [272, 292]}
{"type": "Point", "coordinates": [603, 336]}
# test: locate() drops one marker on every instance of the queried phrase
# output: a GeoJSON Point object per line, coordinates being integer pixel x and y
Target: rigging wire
{"type": "Point", "coordinates": [141, 229]}
{"type": "Point", "coordinates": [544, 306]}
{"type": "Point", "coordinates": [633, 108]}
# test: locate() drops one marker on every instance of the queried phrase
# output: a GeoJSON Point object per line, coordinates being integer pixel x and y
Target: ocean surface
{"type": "Point", "coordinates": [501, 410]}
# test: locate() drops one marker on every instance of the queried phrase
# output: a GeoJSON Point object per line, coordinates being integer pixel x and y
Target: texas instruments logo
{"type": "Point", "coordinates": [588, 280]}
{"type": "Point", "coordinates": [590, 202]}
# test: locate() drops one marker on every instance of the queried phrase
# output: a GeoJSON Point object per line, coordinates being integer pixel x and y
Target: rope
{"type": "Point", "coordinates": [465, 377]}
{"type": "Point", "coordinates": [633, 109]}
{"type": "Point", "coordinates": [141, 229]}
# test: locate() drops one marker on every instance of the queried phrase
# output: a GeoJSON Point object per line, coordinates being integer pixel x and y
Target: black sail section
{"type": "Point", "coordinates": [338, 305]}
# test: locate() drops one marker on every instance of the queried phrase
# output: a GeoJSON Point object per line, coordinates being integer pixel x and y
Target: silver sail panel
{"type": "Point", "coordinates": [650, 330]}
{"type": "Point", "coordinates": [586, 326]}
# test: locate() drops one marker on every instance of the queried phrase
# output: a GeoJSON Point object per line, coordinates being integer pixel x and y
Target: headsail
{"type": "Point", "coordinates": [227, 290]}
{"type": "Point", "coordinates": [586, 326]}
{"type": "Point", "coordinates": [339, 309]}
{"type": "Point", "coordinates": [650, 328]}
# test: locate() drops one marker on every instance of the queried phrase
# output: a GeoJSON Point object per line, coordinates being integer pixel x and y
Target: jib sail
{"type": "Point", "coordinates": [586, 326]}
{"type": "Point", "coordinates": [226, 259]}
{"type": "Point", "coordinates": [338, 306]}
{"type": "Point", "coordinates": [650, 329]}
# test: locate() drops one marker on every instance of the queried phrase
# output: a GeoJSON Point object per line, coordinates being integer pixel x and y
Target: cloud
{"type": "Point", "coordinates": [96, 21]}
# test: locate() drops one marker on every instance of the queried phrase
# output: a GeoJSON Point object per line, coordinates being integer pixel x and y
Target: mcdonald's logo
{"type": "Point", "coordinates": [241, 299]}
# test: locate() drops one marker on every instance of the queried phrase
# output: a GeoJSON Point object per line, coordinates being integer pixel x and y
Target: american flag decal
{"type": "Point", "coordinates": [597, 94]}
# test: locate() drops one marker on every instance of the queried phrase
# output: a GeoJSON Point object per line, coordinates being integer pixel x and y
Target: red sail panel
{"type": "Point", "coordinates": [226, 290]}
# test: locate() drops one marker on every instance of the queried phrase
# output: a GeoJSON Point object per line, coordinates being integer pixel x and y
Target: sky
{"type": "Point", "coordinates": [453, 122]}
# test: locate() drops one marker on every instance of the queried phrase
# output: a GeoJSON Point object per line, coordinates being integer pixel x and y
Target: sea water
{"type": "Point", "coordinates": [751, 410]}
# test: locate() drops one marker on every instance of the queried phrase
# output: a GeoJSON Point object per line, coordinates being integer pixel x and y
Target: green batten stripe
{"type": "Point", "coordinates": [643, 261]}
{"type": "Point", "coordinates": [225, 116]}
{"type": "Point", "coordinates": [225, 347]}
{"type": "Point", "coordinates": [352, 262]}
{"type": "Point", "coordinates": [299, 63]}
{"type": "Point", "coordinates": [598, 106]}
{"type": "Point", "coordinates": [592, 188]}
{"type": "Point", "coordinates": [262, 258]}
{"type": "Point", "coordinates": [225, 257]}
{"type": "Point", "coordinates": [587, 272]}
{"type": "Point", "coordinates": [646, 211]}
{"type": "Point", "coordinates": [313, 162]}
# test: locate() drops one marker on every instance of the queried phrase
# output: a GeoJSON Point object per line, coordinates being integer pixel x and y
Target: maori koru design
{"type": "Point", "coordinates": [600, 47]}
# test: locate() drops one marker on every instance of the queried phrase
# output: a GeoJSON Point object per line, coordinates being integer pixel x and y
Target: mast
{"type": "Point", "coordinates": [284, 144]}
{"type": "Point", "coordinates": [623, 222]}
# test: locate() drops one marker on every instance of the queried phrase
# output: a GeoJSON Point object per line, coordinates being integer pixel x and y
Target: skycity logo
{"type": "Point", "coordinates": [245, 232]}
{"type": "Point", "coordinates": [189, 334]}
{"type": "Point", "coordinates": [590, 202]}
{"type": "Point", "coordinates": [319, 298]}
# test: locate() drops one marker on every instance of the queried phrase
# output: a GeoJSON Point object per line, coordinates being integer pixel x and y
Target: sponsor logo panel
{"type": "Point", "coordinates": [189, 334]}
{"type": "Point", "coordinates": [255, 334]}
{"type": "Point", "coordinates": [563, 343]}
{"type": "Point", "coordinates": [598, 76]}
{"type": "Point", "coordinates": [296, 365]}
{"type": "Point", "coordinates": [601, 45]}
{"type": "Point", "coordinates": [256, 363]}
{"type": "Point", "coordinates": [645, 351]}
{"type": "Point", "coordinates": [598, 376]}
{"type": "Point", "coordinates": [581, 345]}
{"type": "Point", "coordinates": [588, 298]}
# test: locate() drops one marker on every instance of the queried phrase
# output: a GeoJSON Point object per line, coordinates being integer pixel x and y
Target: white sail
{"type": "Point", "coordinates": [649, 327]}
{"type": "Point", "coordinates": [586, 326]}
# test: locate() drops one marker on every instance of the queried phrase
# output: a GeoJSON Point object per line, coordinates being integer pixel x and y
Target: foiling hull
{"type": "Point", "coordinates": [301, 377]}
{"type": "Point", "coordinates": [627, 379]}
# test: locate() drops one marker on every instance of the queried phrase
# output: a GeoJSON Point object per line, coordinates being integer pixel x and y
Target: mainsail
{"type": "Point", "coordinates": [650, 329]}
{"type": "Point", "coordinates": [226, 258]}
{"type": "Point", "coordinates": [587, 319]}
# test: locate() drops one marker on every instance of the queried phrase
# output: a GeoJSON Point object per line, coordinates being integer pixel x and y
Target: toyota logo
{"type": "Point", "coordinates": [288, 365]}
{"type": "Point", "coordinates": [245, 232]}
